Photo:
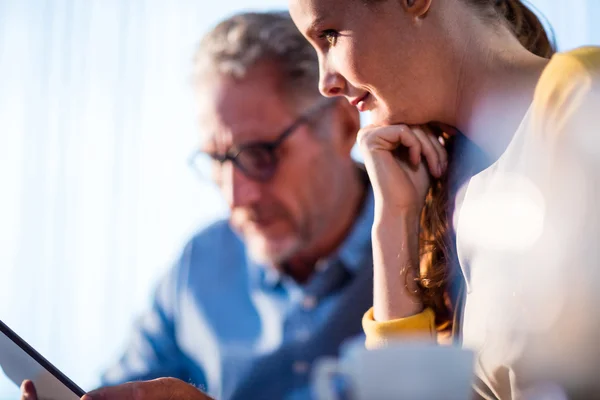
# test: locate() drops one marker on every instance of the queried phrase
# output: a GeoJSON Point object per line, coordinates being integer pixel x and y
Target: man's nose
{"type": "Point", "coordinates": [331, 83]}
{"type": "Point", "coordinates": [237, 188]}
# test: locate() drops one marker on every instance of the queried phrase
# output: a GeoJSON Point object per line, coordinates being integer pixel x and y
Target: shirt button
{"type": "Point", "coordinates": [300, 367]}
{"type": "Point", "coordinates": [309, 302]}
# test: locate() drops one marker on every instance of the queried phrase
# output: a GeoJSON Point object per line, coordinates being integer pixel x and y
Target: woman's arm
{"type": "Point", "coordinates": [399, 161]}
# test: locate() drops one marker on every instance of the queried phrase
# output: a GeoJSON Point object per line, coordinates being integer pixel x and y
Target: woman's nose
{"type": "Point", "coordinates": [331, 83]}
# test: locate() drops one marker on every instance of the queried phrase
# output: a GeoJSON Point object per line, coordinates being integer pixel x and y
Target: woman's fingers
{"type": "Point", "coordinates": [419, 141]}
{"type": "Point", "coordinates": [385, 137]}
{"type": "Point", "coordinates": [388, 138]}
{"type": "Point", "coordinates": [438, 145]}
{"type": "Point", "coordinates": [429, 151]}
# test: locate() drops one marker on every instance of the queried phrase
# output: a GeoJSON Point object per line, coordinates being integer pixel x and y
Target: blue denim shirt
{"type": "Point", "coordinates": [239, 330]}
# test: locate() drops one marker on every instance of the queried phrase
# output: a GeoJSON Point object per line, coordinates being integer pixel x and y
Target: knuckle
{"type": "Point", "coordinates": [365, 138]}
{"type": "Point", "coordinates": [404, 130]}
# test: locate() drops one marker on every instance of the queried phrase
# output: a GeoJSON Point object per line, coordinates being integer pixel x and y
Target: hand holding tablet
{"type": "Point", "coordinates": [40, 380]}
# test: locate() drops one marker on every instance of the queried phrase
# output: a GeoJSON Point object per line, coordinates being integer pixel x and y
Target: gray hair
{"type": "Point", "coordinates": [243, 40]}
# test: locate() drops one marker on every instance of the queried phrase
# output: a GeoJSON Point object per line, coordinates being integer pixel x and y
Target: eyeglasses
{"type": "Point", "coordinates": [257, 160]}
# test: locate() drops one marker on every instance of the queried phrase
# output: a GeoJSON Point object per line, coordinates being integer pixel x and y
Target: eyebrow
{"type": "Point", "coordinates": [313, 26]}
{"type": "Point", "coordinates": [215, 142]}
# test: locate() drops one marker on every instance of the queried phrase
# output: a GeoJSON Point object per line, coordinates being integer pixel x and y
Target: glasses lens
{"type": "Point", "coordinates": [258, 162]}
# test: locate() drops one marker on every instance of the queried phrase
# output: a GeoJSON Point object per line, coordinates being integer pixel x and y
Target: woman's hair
{"type": "Point", "coordinates": [521, 20]}
{"type": "Point", "coordinates": [439, 268]}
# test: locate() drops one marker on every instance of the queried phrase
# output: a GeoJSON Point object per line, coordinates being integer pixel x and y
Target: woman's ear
{"type": "Point", "coordinates": [416, 8]}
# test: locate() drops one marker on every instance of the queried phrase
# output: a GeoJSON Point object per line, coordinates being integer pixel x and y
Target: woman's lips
{"type": "Point", "coordinates": [360, 102]}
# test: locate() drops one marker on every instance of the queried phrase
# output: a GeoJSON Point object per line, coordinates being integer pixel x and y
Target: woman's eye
{"type": "Point", "coordinates": [330, 35]}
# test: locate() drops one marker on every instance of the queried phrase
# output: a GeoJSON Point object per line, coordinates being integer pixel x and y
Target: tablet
{"type": "Point", "coordinates": [20, 361]}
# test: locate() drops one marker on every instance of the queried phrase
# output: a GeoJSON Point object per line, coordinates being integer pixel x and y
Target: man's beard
{"type": "Point", "coordinates": [269, 250]}
{"type": "Point", "coordinates": [264, 251]}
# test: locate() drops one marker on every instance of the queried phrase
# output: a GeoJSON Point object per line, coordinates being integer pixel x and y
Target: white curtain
{"type": "Point", "coordinates": [96, 121]}
{"type": "Point", "coordinates": [575, 22]}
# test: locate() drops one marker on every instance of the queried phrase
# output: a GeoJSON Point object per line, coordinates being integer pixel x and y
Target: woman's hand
{"type": "Point", "coordinates": [400, 162]}
{"type": "Point", "coordinates": [395, 158]}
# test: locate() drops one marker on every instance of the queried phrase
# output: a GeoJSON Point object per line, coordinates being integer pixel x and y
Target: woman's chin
{"type": "Point", "coordinates": [381, 117]}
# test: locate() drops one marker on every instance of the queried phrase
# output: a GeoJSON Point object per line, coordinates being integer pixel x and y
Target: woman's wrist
{"type": "Point", "coordinates": [396, 221]}
{"type": "Point", "coordinates": [402, 305]}
{"type": "Point", "coordinates": [396, 265]}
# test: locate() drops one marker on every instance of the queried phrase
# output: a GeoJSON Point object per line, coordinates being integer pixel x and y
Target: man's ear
{"type": "Point", "coordinates": [347, 120]}
{"type": "Point", "coordinates": [416, 8]}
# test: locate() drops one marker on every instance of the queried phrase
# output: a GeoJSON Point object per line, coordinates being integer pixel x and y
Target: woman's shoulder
{"type": "Point", "coordinates": [566, 68]}
{"type": "Point", "coordinates": [567, 100]}
{"type": "Point", "coordinates": [570, 80]}
{"type": "Point", "coordinates": [587, 57]}
{"type": "Point", "coordinates": [569, 69]}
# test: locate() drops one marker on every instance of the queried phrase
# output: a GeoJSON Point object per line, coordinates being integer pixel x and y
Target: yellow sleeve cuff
{"type": "Point", "coordinates": [380, 333]}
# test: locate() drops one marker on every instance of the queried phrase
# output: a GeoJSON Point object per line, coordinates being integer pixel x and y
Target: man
{"type": "Point", "coordinates": [255, 300]}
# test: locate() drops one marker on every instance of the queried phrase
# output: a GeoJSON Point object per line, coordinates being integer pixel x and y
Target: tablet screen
{"type": "Point", "coordinates": [19, 361]}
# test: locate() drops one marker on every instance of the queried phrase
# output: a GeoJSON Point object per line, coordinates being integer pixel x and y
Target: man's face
{"type": "Point", "coordinates": [284, 214]}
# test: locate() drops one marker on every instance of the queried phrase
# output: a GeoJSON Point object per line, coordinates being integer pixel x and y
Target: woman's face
{"type": "Point", "coordinates": [383, 57]}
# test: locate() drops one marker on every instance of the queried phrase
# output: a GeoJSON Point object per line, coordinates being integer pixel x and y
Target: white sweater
{"type": "Point", "coordinates": [528, 237]}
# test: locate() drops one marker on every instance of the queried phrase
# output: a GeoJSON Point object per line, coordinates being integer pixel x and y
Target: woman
{"type": "Point", "coordinates": [525, 222]}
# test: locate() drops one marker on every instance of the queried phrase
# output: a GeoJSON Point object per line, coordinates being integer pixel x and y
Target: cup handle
{"type": "Point", "coordinates": [323, 373]}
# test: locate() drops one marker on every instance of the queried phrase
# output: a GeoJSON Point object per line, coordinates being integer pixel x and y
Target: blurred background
{"type": "Point", "coordinates": [97, 119]}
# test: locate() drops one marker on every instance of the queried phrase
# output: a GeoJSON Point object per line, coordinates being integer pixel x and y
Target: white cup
{"type": "Point", "coordinates": [402, 370]}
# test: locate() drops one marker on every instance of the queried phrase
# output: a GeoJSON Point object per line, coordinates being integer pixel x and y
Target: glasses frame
{"type": "Point", "coordinates": [270, 146]}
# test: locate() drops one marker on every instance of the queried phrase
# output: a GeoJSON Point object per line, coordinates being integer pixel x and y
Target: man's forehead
{"type": "Point", "coordinates": [243, 109]}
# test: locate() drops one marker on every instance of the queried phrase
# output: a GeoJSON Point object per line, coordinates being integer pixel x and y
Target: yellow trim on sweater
{"type": "Point", "coordinates": [417, 326]}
